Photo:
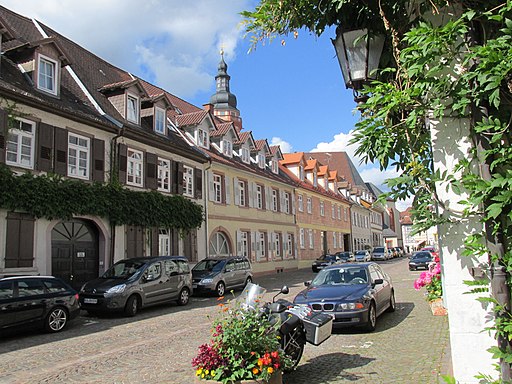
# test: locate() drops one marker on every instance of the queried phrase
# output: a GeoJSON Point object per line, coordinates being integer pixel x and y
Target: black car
{"type": "Point", "coordinates": [45, 301]}
{"type": "Point", "coordinates": [324, 261]}
{"type": "Point", "coordinates": [420, 260]}
{"type": "Point", "coordinates": [355, 294]}
{"type": "Point", "coordinates": [132, 284]}
{"type": "Point", "coordinates": [345, 257]}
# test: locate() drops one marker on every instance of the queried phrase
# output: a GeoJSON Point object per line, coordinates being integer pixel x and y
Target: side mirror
{"type": "Point", "coordinates": [285, 290]}
{"type": "Point", "coordinates": [378, 281]}
{"type": "Point", "coordinates": [307, 283]}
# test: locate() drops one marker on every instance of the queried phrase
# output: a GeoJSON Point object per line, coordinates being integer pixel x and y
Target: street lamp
{"type": "Point", "coordinates": [359, 56]}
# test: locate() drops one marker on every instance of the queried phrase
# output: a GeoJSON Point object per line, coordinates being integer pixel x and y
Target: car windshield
{"type": "Point", "coordinates": [379, 250]}
{"type": "Point", "coordinates": [341, 276]}
{"type": "Point", "coordinates": [325, 257]}
{"type": "Point", "coordinates": [123, 269]}
{"type": "Point", "coordinates": [360, 252]}
{"type": "Point", "coordinates": [209, 265]}
{"type": "Point", "coordinates": [422, 255]}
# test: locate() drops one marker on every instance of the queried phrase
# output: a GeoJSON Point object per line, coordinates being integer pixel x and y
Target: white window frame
{"type": "Point", "coordinates": [300, 203]}
{"type": "Point", "coordinates": [302, 238]}
{"type": "Point", "coordinates": [22, 160]}
{"type": "Point", "coordinates": [246, 155]}
{"type": "Point", "coordinates": [286, 202]}
{"type": "Point", "coordinates": [339, 213]}
{"type": "Point", "coordinates": [277, 245]}
{"type": "Point", "coordinates": [301, 172]}
{"type": "Point", "coordinates": [160, 120]}
{"type": "Point", "coordinates": [322, 209]}
{"type": "Point", "coordinates": [164, 175]}
{"type": "Point", "coordinates": [345, 213]}
{"type": "Point", "coordinates": [274, 200]}
{"type": "Point", "coordinates": [164, 242]}
{"type": "Point", "coordinates": [259, 196]}
{"type": "Point", "coordinates": [203, 138]}
{"type": "Point", "coordinates": [275, 166]}
{"type": "Point", "coordinates": [244, 244]}
{"type": "Point", "coordinates": [333, 211]}
{"type": "Point", "coordinates": [135, 168]}
{"type": "Point", "coordinates": [289, 244]}
{"type": "Point", "coordinates": [309, 205]}
{"type": "Point", "coordinates": [341, 240]}
{"type": "Point", "coordinates": [311, 239]}
{"type": "Point", "coordinates": [217, 188]}
{"type": "Point", "coordinates": [334, 240]}
{"type": "Point", "coordinates": [188, 181]}
{"type": "Point", "coordinates": [136, 108]}
{"type": "Point", "coordinates": [75, 153]}
{"type": "Point", "coordinates": [315, 179]}
{"type": "Point", "coordinates": [241, 193]}
{"type": "Point", "coordinates": [227, 148]}
{"type": "Point", "coordinates": [261, 161]}
{"type": "Point", "coordinates": [261, 245]}
{"type": "Point", "coordinates": [53, 77]}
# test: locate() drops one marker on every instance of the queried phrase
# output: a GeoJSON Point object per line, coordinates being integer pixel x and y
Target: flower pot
{"type": "Point", "coordinates": [277, 378]}
{"type": "Point", "coordinates": [437, 307]}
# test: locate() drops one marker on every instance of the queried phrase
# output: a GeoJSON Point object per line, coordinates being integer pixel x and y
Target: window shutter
{"type": "Point", "coordinates": [61, 151]}
{"type": "Point", "coordinates": [239, 242]}
{"type": "Point", "coordinates": [98, 160]}
{"type": "Point", "coordinates": [3, 130]}
{"type": "Point", "coordinates": [227, 183]}
{"type": "Point", "coordinates": [292, 199]}
{"type": "Point", "coordinates": [123, 162]}
{"type": "Point", "coordinates": [251, 194]}
{"type": "Point", "coordinates": [237, 191]}
{"type": "Point", "coordinates": [281, 201]}
{"type": "Point", "coordinates": [174, 177]}
{"type": "Point", "coordinates": [179, 178]}
{"type": "Point", "coordinates": [198, 183]}
{"type": "Point", "coordinates": [268, 197]}
{"type": "Point", "coordinates": [211, 189]}
{"type": "Point", "coordinates": [45, 147]}
{"type": "Point", "coordinates": [154, 242]}
{"type": "Point", "coordinates": [151, 170]}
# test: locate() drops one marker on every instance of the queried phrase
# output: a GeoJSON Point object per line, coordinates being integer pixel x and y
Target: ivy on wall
{"type": "Point", "coordinates": [53, 197]}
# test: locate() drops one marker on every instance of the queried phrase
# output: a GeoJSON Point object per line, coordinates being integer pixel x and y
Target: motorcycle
{"type": "Point", "coordinates": [295, 324]}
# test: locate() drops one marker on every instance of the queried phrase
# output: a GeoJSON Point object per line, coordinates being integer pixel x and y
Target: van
{"type": "Point", "coordinates": [216, 274]}
{"type": "Point", "coordinates": [380, 253]}
{"type": "Point", "coordinates": [132, 284]}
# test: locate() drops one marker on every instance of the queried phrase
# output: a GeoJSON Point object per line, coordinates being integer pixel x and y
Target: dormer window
{"type": "Point", "coordinates": [301, 172]}
{"type": "Point", "coordinates": [246, 155]}
{"type": "Point", "coordinates": [227, 148]}
{"type": "Point", "coordinates": [315, 179]}
{"type": "Point", "coordinates": [132, 108]}
{"type": "Point", "coordinates": [275, 167]}
{"type": "Point", "coordinates": [47, 75]}
{"type": "Point", "coordinates": [202, 138]}
{"type": "Point", "coordinates": [159, 120]}
{"type": "Point", "coordinates": [261, 161]}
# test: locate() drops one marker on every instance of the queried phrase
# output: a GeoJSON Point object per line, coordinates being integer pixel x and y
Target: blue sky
{"type": "Point", "coordinates": [292, 94]}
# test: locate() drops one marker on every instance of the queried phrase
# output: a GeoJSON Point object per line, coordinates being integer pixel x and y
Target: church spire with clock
{"type": "Point", "coordinates": [223, 101]}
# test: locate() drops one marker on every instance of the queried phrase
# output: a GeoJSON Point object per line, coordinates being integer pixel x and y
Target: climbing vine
{"type": "Point", "coordinates": [445, 58]}
{"type": "Point", "coordinates": [54, 197]}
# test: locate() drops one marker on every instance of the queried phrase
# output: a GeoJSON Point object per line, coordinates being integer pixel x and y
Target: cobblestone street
{"type": "Point", "coordinates": [157, 346]}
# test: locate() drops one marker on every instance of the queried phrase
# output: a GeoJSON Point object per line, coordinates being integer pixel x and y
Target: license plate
{"type": "Point", "coordinates": [90, 301]}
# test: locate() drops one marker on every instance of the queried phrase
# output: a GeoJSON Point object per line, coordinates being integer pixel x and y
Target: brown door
{"type": "Point", "coordinates": [75, 252]}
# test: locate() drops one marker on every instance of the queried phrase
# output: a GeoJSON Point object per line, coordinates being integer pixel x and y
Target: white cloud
{"type": "Point", "coordinates": [402, 205]}
{"type": "Point", "coordinates": [340, 143]}
{"type": "Point", "coordinates": [376, 176]}
{"type": "Point", "coordinates": [171, 43]}
{"type": "Point", "coordinates": [285, 146]}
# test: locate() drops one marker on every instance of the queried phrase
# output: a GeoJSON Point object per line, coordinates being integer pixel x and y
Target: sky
{"type": "Point", "coordinates": [289, 91]}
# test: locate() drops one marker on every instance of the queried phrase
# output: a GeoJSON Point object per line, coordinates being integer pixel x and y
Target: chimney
{"type": "Point", "coordinates": [208, 107]}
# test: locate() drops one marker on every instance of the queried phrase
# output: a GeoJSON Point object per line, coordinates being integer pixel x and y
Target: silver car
{"type": "Point", "coordinates": [132, 284]}
{"type": "Point", "coordinates": [216, 274]}
{"type": "Point", "coordinates": [380, 253]}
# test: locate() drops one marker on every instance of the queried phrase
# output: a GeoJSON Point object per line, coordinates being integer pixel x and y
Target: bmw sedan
{"type": "Point", "coordinates": [420, 260]}
{"type": "Point", "coordinates": [45, 301]}
{"type": "Point", "coordinates": [354, 294]}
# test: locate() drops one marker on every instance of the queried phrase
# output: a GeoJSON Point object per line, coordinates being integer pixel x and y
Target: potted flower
{"type": "Point", "coordinates": [244, 345]}
{"type": "Point", "coordinates": [431, 280]}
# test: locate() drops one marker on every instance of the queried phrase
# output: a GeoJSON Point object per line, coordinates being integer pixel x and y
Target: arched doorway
{"type": "Point", "coordinates": [75, 251]}
{"type": "Point", "coordinates": [219, 245]}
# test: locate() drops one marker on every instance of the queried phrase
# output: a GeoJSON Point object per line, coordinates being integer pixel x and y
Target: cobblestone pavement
{"type": "Point", "coordinates": [157, 346]}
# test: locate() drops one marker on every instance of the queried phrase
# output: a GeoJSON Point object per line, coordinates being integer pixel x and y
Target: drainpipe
{"type": "Point", "coordinates": [206, 198]}
{"type": "Point", "coordinates": [112, 178]}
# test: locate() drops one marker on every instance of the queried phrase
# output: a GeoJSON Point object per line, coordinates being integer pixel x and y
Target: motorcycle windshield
{"type": "Point", "coordinates": [252, 296]}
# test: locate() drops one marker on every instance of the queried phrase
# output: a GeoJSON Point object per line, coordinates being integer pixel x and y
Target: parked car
{"type": "Point", "coordinates": [355, 294]}
{"type": "Point", "coordinates": [345, 257]}
{"type": "Point", "coordinates": [216, 274]}
{"type": "Point", "coordinates": [45, 301]}
{"type": "Point", "coordinates": [420, 260]}
{"type": "Point", "coordinates": [397, 252]}
{"type": "Point", "coordinates": [132, 284]}
{"type": "Point", "coordinates": [324, 261]}
{"type": "Point", "coordinates": [380, 253]}
{"type": "Point", "coordinates": [431, 249]}
{"type": "Point", "coordinates": [362, 256]}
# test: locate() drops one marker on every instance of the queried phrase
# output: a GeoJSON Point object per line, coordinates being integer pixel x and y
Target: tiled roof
{"type": "Point", "coordinates": [310, 164]}
{"type": "Point", "coordinates": [342, 163]}
{"type": "Point", "coordinates": [322, 170]}
{"type": "Point", "coordinates": [243, 137]}
{"type": "Point", "coordinates": [223, 128]}
{"type": "Point", "coordinates": [333, 175]}
{"type": "Point", "coordinates": [292, 158]}
{"type": "Point", "coordinates": [192, 118]}
{"type": "Point", "coordinates": [260, 144]}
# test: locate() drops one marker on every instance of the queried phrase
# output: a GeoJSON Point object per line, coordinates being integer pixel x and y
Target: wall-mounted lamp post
{"type": "Point", "coordinates": [359, 56]}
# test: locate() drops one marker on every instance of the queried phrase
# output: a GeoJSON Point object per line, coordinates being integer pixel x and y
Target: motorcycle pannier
{"type": "Point", "coordinates": [318, 327]}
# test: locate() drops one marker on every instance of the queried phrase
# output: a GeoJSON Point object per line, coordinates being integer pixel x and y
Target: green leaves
{"type": "Point", "coordinates": [53, 197]}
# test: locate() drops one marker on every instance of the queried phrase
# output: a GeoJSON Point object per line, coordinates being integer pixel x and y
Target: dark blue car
{"type": "Point", "coordinates": [354, 294]}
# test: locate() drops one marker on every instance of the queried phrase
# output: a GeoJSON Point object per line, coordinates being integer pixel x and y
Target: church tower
{"type": "Point", "coordinates": [223, 101]}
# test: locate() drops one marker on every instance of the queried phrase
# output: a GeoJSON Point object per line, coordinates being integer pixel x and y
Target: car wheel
{"type": "Point", "coordinates": [221, 289]}
{"type": "Point", "coordinates": [184, 297]}
{"type": "Point", "coordinates": [372, 318]}
{"type": "Point", "coordinates": [56, 320]}
{"type": "Point", "coordinates": [248, 281]}
{"type": "Point", "coordinates": [132, 306]}
{"type": "Point", "coordinates": [392, 302]}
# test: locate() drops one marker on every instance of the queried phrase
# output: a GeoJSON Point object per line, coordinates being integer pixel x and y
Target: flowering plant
{"type": "Point", "coordinates": [431, 280]}
{"type": "Point", "coordinates": [244, 345]}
